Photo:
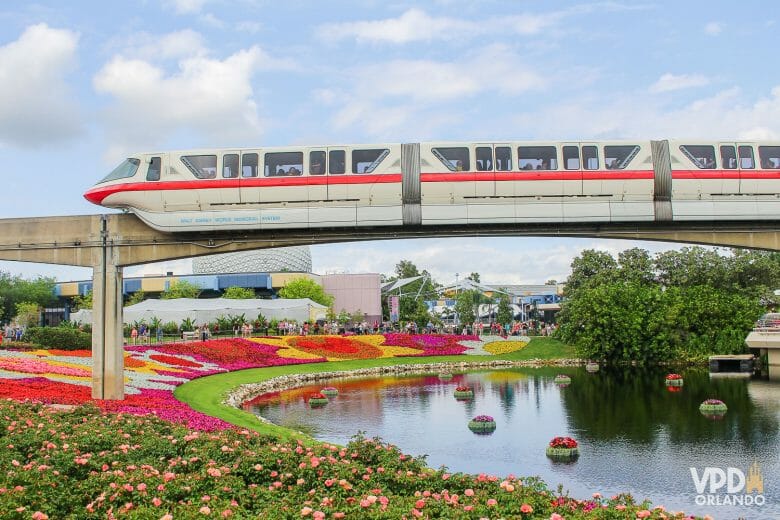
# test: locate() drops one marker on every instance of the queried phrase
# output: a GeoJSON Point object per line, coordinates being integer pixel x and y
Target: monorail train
{"type": "Point", "coordinates": [446, 183]}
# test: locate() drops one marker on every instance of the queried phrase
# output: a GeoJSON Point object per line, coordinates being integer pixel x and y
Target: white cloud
{"type": "Point", "coordinates": [669, 82]}
{"type": "Point", "coordinates": [188, 6]}
{"type": "Point", "coordinates": [387, 96]}
{"type": "Point", "coordinates": [152, 47]}
{"type": "Point", "coordinates": [36, 104]}
{"type": "Point", "coordinates": [207, 97]}
{"type": "Point", "coordinates": [417, 25]}
{"type": "Point", "coordinates": [725, 115]}
{"type": "Point", "coordinates": [713, 28]}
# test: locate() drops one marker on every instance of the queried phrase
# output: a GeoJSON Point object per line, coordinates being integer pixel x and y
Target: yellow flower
{"type": "Point", "coordinates": [504, 347]}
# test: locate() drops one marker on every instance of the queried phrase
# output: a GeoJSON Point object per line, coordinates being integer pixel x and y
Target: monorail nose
{"type": "Point", "coordinates": [94, 195]}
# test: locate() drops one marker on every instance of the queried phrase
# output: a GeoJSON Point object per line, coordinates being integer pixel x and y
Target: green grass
{"type": "Point", "coordinates": [207, 393]}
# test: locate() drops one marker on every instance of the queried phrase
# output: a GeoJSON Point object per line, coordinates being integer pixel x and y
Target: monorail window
{"type": "Point", "coordinates": [537, 158]}
{"type": "Point", "coordinates": [317, 163]}
{"type": "Point", "coordinates": [201, 166]}
{"type": "Point", "coordinates": [571, 157]}
{"type": "Point", "coordinates": [503, 159]}
{"type": "Point", "coordinates": [366, 161]}
{"type": "Point", "coordinates": [770, 157]}
{"type": "Point", "coordinates": [230, 165]}
{"type": "Point", "coordinates": [618, 157]}
{"type": "Point", "coordinates": [746, 160]}
{"type": "Point", "coordinates": [123, 171]}
{"type": "Point", "coordinates": [155, 166]}
{"type": "Point", "coordinates": [590, 157]}
{"type": "Point", "coordinates": [283, 164]}
{"type": "Point", "coordinates": [728, 157]}
{"type": "Point", "coordinates": [337, 162]}
{"type": "Point", "coordinates": [249, 163]}
{"type": "Point", "coordinates": [455, 159]}
{"type": "Point", "coordinates": [703, 156]}
{"type": "Point", "coordinates": [484, 159]}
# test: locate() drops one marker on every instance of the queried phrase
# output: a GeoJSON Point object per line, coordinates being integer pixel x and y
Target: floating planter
{"type": "Point", "coordinates": [592, 367]}
{"type": "Point", "coordinates": [330, 391]}
{"type": "Point", "coordinates": [563, 448]}
{"type": "Point", "coordinates": [713, 408]}
{"type": "Point", "coordinates": [317, 400]}
{"type": "Point", "coordinates": [674, 380]}
{"type": "Point", "coordinates": [482, 424]}
{"type": "Point", "coordinates": [445, 376]}
{"type": "Point", "coordinates": [464, 393]}
{"type": "Point", "coordinates": [562, 380]}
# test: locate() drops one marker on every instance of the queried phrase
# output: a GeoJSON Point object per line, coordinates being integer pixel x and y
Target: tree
{"type": "Point", "coordinates": [464, 305]}
{"type": "Point", "coordinates": [504, 314]}
{"type": "Point", "coordinates": [306, 288]}
{"type": "Point", "coordinates": [83, 302]}
{"type": "Point", "coordinates": [691, 266]}
{"type": "Point", "coordinates": [551, 282]}
{"type": "Point", "coordinates": [15, 289]}
{"type": "Point", "coordinates": [591, 267]}
{"type": "Point", "coordinates": [181, 289]}
{"type": "Point", "coordinates": [414, 294]}
{"type": "Point", "coordinates": [238, 293]}
{"type": "Point", "coordinates": [635, 266]}
{"type": "Point", "coordinates": [28, 314]}
{"type": "Point", "coordinates": [474, 277]}
{"type": "Point", "coordinates": [136, 297]}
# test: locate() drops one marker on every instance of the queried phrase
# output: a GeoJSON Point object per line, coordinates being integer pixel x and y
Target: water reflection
{"type": "Point", "coordinates": [634, 434]}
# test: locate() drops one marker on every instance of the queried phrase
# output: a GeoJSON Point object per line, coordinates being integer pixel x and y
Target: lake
{"type": "Point", "coordinates": [634, 434]}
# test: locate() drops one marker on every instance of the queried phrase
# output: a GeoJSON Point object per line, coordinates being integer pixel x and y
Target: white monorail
{"type": "Point", "coordinates": [447, 183]}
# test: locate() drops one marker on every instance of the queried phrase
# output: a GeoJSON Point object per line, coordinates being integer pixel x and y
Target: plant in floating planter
{"type": "Point", "coordinates": [562, 380]}
{"type": "Point", "coordinates": [445, 376]}
{"type": "Point", "coordinates": [464, 393]}
{"type": "Point", "coordinates": [482, 424]}
{"type": "Point", "coordinates": [330, 391]}
{"type": "Point", "coordinates": [317, 400]}
{"type": "Point", "coordinates": [713, 408]}
{"type": "Point", "coordinates": [674, 380]}
{"type": "Point", "coordinates": [563, 448]}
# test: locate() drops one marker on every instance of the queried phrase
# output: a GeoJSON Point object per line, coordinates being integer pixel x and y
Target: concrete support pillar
{"type": "Point", "coordinates": [108, 361]}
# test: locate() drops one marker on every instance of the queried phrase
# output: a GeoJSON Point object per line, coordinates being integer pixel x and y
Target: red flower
{"type": "Point", "coordinates": [563, 442]}
{"type": "Point", "coordinates": [673, 376]}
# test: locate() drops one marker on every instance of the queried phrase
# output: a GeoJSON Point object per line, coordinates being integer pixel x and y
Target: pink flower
{"type": "Point", "coordinates": [40, 516]}
{"type": "Point", "coordinates": [526, 508]}
{"type": "Point", "coordinates": [419, 504]}
{"type": "Point", "coordinates": [156, 501]}
{"type": "Point", "coordinates": [306, 511]}
{"type": "Point", "coordinates": [556, 516]}
{"type": "Point", "coordinates": [469, 492]}
{"type": "Point", "coordinates": [644, 513]}
{"type": "Point", "coordinates": [492, 502]}
{"type": "Point", "coordinates": [205, 510]}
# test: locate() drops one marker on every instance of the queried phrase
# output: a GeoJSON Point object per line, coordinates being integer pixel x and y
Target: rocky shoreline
{"type": "Point", "coordinates": [246, 392]}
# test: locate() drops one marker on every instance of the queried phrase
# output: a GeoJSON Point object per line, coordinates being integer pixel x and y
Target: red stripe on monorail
{"type": "Point", "coordinates": [725, 174]}
{"type": "Point", "coordinates": [539, 175]}
{"type": "Point", "coordinates": [99, 193]}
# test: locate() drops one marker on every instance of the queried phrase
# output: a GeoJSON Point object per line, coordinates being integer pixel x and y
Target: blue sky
{"type": "Point", "coordinates": [83, 83]}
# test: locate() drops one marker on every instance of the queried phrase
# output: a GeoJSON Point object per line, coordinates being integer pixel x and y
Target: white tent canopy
{"type": "Point", "coordinates": [208, 310]}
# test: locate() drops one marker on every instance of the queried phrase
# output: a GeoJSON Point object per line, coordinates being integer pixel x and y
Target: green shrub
{"type": "Point", "coordinates": [59, 337]}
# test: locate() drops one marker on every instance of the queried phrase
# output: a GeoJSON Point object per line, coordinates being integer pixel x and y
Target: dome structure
{"type": "Point", "coordinates": [294, 259]}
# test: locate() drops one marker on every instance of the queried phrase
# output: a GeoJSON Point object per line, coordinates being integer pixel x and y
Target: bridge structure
{"type": "Point", "coordinates": [108, 243]}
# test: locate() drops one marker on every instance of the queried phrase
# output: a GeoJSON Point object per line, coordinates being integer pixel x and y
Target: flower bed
{"type": "Point", "coordinates": [482, 424]}
{"type": "Point", "coordinates": [562, 380]}
{"type": "Point", "coordinates": [504, 347]}
{"type": "Point", "coordinates": [93, 465]}
{"type": "Point", "coordinates": [713, 408]}
{"type": "Point", "coordinates": [563, 448]}
{"type": "Point", "coordinates": [674, 380]}
{"type": "Point", "coordinates": [317, 400]}
{"type": "Point", "coordinates": [464, 393]}
{"type": "Point", "coordinates": [330, 391]}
